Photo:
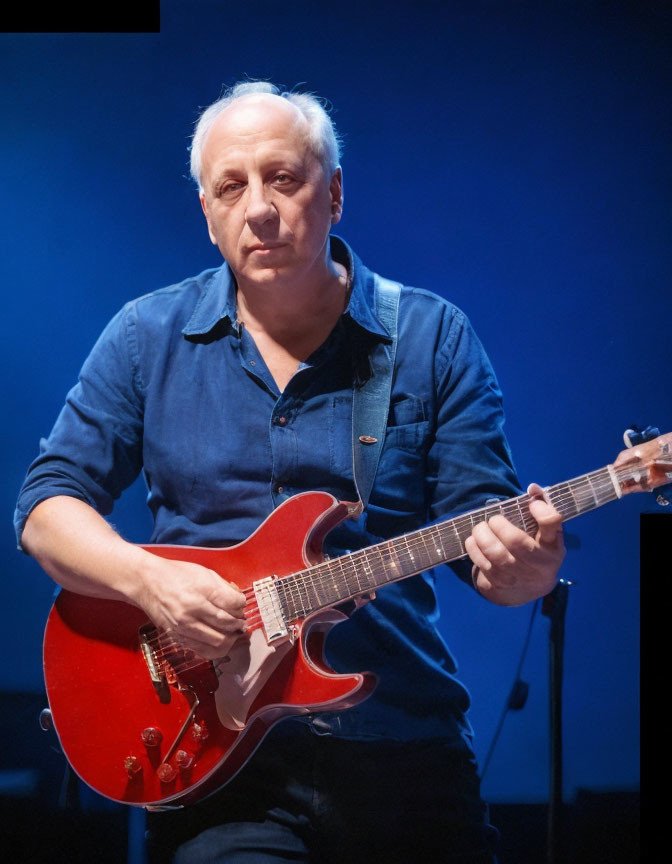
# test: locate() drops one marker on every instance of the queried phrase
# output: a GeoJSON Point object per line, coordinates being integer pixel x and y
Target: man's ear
{"type": "Point", "coordinates": [204, 206]}
{"type": "Point", "coordinates": [336, 194]}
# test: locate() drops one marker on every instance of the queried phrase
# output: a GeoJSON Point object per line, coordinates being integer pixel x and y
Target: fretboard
{"type": "Point", "coordinates": [339, 579]}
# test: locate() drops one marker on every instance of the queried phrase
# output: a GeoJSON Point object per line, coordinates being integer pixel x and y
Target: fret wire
{"type": "Point", "coordinates": [348, 568]}
{"type": "Point", "coordinates": [427, 553]}
{"type": "Point", "coordinates": [395, 562]}
{"type": "Point", "coordinates": [296, 596]}
{"type": "Point", "coordinates": [290, 592]}
{"type": "Point", "coordinates": [375, 570]}
{"type": "Point", "coordinates": [333, 566]}
{"type": "Point", "coordinates": [584, 496]}
{"type": "Point", "coordinates": [460, 541]}
{"type": "Point", "coordinates": [438, 542]}
{"type": "Point", "coordinates": [591, 489]}
{"type": "Point", "coordinates": [409, 552]}
{"type": "Point", "coordinates": [355, 573]}
{"type": "Point", "coordinates": [281, 588]}
{"type": "Point", "coordinates": [324, 576]}
{"type": "Point", "coordinates": [363, 569]}
{"type": "Point", "coordinates": [313, 584]}
{"type": "Point", "coordinates": [298, 582]}
{"type": "Point", "coordinates": [563, 496]}
{"type": "Point", "coordinates": [350, 576]}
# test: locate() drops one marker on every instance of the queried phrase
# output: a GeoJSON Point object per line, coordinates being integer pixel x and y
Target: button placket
{"type": "Point", "coordinates": [282, 445]}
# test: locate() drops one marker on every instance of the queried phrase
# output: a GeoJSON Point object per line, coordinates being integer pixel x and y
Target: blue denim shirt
{"type": "Point", "coordinates": [176, 388]}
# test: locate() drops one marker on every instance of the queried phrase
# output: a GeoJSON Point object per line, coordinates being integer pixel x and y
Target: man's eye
{"type": "Point", "coordinates": [283, 179]}
{"type": "Point", "coordinates": [230, 188]}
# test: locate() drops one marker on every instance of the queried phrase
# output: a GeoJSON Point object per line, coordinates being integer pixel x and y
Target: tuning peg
{"type": "Point", "coordinates": [635, 435]}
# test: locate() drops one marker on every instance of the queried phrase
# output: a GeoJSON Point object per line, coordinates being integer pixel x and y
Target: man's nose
{"type": "Point", "coordinates": [260, 208]}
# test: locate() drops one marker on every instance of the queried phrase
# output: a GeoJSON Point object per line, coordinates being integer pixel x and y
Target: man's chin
{"type": "Point", "coordinates": [263, 275]}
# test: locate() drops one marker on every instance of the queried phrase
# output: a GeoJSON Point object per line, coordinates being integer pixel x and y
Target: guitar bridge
{"type": "Point", "coordinates": [270, 609]}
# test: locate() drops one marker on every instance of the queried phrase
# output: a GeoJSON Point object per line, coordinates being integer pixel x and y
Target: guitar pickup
{"type": "Point", "coordinates": [157, 676]}
{"type": "Point", "coordinates": [270, 609]}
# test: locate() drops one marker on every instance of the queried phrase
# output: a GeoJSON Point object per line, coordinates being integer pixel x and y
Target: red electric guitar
{"type": "Point", "coordinates": [145, 722]}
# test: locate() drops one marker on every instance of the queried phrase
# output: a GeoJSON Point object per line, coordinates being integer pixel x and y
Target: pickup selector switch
{"type": "Point", "coordinates": [199, 732]}
{"type": "Point", "coordinates": [133, 767]}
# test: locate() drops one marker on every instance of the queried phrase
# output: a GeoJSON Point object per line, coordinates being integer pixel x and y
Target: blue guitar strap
{"type": "Point", "coordinates": [371, 402]}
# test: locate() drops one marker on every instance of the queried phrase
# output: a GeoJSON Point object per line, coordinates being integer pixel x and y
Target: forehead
{"type": "Point", "coordinates": [257, 127]}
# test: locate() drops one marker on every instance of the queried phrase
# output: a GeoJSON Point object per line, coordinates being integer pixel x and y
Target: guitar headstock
{"type": "Point", "coordinates": [645, 466]}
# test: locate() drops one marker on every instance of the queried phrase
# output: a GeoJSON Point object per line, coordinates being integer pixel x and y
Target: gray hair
{"type": "Point", "coordinates": [323, 137]}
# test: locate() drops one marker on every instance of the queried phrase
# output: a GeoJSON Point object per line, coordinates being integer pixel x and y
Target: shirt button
{"type": "Point", "coordinates": [280, 490]}
{"type": "Point", "coordinates": [281, 421]}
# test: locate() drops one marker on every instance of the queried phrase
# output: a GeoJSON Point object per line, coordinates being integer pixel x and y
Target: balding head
{"type": "Point", "coordinates": [320, 132]}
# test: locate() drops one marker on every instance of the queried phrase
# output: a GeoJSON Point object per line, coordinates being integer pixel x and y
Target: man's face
{"type": "Point", "coordinates": [267, 199]}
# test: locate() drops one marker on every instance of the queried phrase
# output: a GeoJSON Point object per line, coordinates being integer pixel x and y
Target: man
{"type": "Point", "coordinates": [233, 391]}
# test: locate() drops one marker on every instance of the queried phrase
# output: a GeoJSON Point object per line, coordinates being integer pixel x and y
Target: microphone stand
{"type": "Point", "coordinates": [554, 607]}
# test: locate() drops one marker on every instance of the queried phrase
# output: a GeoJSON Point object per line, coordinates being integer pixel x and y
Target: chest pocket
{"type": "Point", "coordinates": [407, 426]}
{"type": "Point", "coordinates": [400, 482]}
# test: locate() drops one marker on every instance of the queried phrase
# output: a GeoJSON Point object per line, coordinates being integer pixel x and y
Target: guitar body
{"type": "Point", "coordinates": [166, 743]}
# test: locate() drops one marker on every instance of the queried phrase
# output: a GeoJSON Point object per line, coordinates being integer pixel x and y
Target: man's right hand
{"type": "Point", "coordinates": [196, 606]}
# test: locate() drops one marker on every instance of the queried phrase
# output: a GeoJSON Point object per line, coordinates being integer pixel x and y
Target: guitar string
{"type": "Point", "coordinates": [419, 543]}
{"type": "Point", "coordinates": [193, 661]}
{"type": "Point", "coordinates": [565, 502]}
{"type": "Point", "coordinates": [318, 576]}
{"type": "Point", "coordinates": [163, 643]}
{"type": "Point", "coordinates": [563, 496]}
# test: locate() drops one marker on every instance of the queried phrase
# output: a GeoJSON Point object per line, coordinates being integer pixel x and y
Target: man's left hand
{"type": "Point", "coordinates": [512, 567]}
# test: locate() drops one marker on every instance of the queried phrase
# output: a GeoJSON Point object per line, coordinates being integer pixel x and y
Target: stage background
{"type": "Point", "coordinates": [513, 157]}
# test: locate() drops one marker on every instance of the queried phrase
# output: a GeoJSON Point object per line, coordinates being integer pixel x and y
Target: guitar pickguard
{"type": "Point", "coordinates": [243, 674]}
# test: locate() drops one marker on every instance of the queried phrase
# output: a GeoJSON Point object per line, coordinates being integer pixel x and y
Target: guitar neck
{"type": "Point", "coordinates": [339, 579]}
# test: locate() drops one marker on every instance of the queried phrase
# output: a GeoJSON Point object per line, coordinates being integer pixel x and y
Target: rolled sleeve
{"type": "Point", "coordinates": [94, 450]}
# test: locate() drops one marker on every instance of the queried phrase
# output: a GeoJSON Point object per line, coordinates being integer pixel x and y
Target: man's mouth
{"type": "Point", "coordinates": [265, 247]}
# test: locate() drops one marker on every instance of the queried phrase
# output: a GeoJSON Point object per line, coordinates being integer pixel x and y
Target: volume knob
{"type": "Point", "coordinates": [184, 759]}
{"type": "Point", "coordinates": [166, 773]}
{"type": "Point", "coordinates": [151, 736]}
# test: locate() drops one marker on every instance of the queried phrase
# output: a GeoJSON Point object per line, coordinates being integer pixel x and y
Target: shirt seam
{"type": "Point", "coordinates": [446, 352]}
{"type": "Point", "coordinates": [133, 352]}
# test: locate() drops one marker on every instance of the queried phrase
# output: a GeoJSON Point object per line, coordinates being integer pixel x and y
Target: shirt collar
{"type": "Point", "coordinates": [217, 304]}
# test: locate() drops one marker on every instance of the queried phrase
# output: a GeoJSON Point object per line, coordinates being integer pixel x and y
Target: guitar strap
{"type": "Point", "coordinates": [371, 402]}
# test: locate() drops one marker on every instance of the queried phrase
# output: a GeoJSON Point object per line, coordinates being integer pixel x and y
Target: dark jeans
{"type": "Point", "coordinates": [310, 798]}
